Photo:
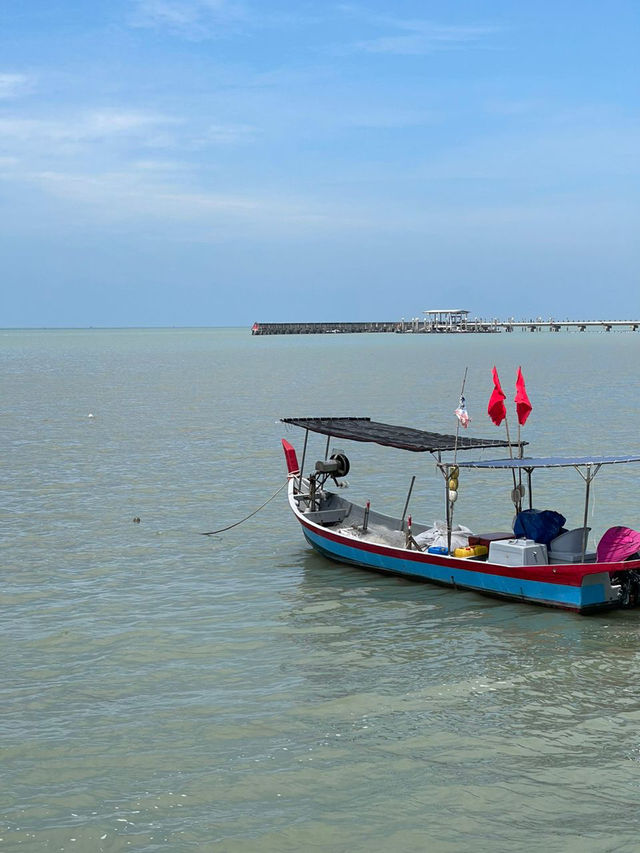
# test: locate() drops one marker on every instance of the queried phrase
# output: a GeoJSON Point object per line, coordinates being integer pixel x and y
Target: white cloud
{"type": "Point", "coordinates": [192, 18]}
{"type": "Point", "coordinates": [565, 151]}
{"type": "Point", "coordinates": [141, 190]}
{"type": "Point", "coordinates": [101, 124]}
{"type": "Point", "coordinates": [410, 36]}
{"type": "Point", "coordinates": [204, 19]}
{"type": "Point", "coordinates": [386, 119]}
{"type": "Point", "coordinates": [161, 166]}
{"type": "Point", "coordinates": [15, 85]}
{"type": "Point", "coordinates": [114, 122]}
{"type": "Point", "coordinates": [424, 37]}
{"type": "Point", "coordinates": [8, 163]}
{"type": "Point", "coordinates": [113, 135]}
{"type": "Point", "coordinates": [145, 195]}
{"type": "Point", "coordinates": [227, 134]}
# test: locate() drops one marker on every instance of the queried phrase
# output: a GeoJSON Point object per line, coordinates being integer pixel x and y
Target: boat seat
{"type": "Point", "coordinates": [565, 558]}
{"type": "Point", "coordinates": [488, 538]}
{"type": "Point", "coordinates": [567, 547]}
{"type": "Point", "coordinates": [327, 516]}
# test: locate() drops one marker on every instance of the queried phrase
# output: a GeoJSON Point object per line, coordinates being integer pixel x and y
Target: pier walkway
{"type": "Point", "coordinates": [438, 326]}
{"type": "Point", "coordinates": [578, 325]}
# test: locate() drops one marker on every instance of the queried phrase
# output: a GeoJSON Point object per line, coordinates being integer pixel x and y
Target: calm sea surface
{"type": "Point", "coordinates": [162, 690]}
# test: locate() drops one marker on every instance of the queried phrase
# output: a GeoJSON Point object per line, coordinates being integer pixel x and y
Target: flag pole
{"type": "Point", "coordinates": [506, 423]}
{"type": "Point", "coordinates": [448, 490]}
{"type": "Point", "coordinates": [455, 449]}
{"type": "Point", "coordinates": [498, 412]}
{"type": "Point", "coordinates": [516, 493]}
{"type": "Point", "coordinates": [523, 410]}
{"type": "Point", "coordinates": [520, 486]}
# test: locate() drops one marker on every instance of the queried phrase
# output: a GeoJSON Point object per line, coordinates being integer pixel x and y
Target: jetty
{"type": "Point", "coordinates": [322, 328]}
{"type": "Point", "coordinates": [444, 321]}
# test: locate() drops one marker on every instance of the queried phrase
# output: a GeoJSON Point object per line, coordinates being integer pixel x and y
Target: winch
{"type": "Point", "coordinates": [336, 466]}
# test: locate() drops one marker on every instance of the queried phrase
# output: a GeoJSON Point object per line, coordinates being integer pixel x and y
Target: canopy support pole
{"type": "Point", "coordinates": [406, 503]}
{"type": "Point", "coordinates": [586, 513]}
{"type": "Point", "coordinates": [587, 477]}
{"type": "Point", "coordinates": [304, 453]}
{"type": "Point", "coordinates": [449, 506]}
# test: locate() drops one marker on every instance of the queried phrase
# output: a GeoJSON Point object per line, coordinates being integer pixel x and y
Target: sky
{"type": "Point", "coordinates": [220, 162]}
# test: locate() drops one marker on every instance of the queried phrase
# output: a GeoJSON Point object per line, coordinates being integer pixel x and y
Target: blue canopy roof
{"type": "Point", "coordinates": [549, 462]}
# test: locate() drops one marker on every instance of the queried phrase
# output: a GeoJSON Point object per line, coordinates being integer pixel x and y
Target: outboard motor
{"type": "Point", "coordinates": [630, 588]}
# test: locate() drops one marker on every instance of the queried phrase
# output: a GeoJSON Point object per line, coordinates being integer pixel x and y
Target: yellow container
{"type": "Point", "coordinates": [471, 551]}
{"type": "Point", "coordinates": [465, 552]}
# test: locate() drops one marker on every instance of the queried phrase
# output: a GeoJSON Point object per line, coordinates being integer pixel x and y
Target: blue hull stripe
{"type": "Point", "coordinates": [560, 595]}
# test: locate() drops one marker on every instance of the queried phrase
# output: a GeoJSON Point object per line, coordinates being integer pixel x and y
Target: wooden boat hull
{"type": "Point", "coordinates": [582, 588]}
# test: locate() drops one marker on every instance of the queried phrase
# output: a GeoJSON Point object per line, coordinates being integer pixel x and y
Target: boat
{"type": "Point", "coordinates": [538, 561]}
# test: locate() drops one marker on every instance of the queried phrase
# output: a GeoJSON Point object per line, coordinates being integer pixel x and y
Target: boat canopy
{"type": "Point", "coordinates": [389, 435]}
{"type": "Point", "coordinates": [529, 463]}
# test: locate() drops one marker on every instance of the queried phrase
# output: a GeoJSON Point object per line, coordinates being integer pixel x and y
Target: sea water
{"type": "Point", "coordinates": [164, 690]}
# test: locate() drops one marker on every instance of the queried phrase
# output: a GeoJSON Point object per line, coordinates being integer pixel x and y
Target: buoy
{"type": "Point", "coordinates": [518, 493]}
{"type": "Point", "coordinates": [136, 520]}
{"type": "Point", "coordinates": [453, 496]}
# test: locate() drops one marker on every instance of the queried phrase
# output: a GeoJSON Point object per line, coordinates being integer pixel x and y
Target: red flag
{"type": "Point", "coordinates": [496, 409]}
{"type": "Point", "coordinates": [523, 406]}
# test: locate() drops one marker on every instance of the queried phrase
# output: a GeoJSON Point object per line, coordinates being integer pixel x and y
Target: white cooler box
{"type": "Point", "coordinates": [518, 552]}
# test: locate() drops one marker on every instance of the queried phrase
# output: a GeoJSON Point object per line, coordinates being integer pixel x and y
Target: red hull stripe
{"type": "Point", "coordinates": [571, 575]}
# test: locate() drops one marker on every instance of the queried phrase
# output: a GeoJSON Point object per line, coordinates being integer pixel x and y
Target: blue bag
{"type": "Point", "coordinates": [541, 525]}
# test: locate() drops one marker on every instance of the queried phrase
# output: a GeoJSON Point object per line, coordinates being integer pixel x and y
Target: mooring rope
{"type": "Point", "coordinates": [242, 520]}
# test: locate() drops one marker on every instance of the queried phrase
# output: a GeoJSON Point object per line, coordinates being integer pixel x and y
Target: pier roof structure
{"type": "Point", "coordinates": [446, 311]}
{"type": "Point", "coordinates": [441, 319]}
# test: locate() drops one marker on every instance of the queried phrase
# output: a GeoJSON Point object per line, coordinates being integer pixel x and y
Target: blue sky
{"type": "Point", "coordinates": [216, 162]}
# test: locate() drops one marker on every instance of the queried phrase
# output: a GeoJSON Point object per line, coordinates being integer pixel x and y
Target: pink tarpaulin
{"type": "Point", "coordinates": [617, 544]}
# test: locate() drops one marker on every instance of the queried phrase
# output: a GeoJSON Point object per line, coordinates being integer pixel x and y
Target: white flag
{"type": "Point", "coordinates": [462, 414]}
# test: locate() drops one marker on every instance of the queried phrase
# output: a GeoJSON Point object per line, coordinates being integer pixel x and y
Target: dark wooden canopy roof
{"type": "Point", "coordinates": [390, 435]}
